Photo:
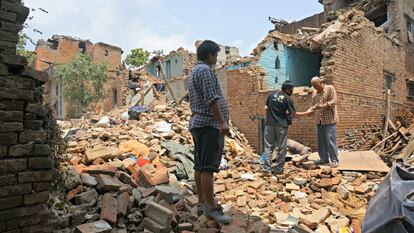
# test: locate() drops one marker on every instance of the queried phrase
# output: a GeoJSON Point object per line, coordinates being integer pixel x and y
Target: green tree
{"type": "Point", "coordinates": [82, 81]}
{"type": "Point", "coordinates": [137, 57]}
{"type": "Point", "coordinates": [21, 49]}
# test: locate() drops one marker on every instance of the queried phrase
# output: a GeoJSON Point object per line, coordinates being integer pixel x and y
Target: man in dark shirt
{"type": "Point", "coordinates": [280, 111]}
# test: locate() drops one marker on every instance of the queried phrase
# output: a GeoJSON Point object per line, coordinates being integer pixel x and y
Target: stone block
{"type": "Point", "coordinates": [11, 27]}
{"type": "Point", "coordinates": [159, 213]}
{"type": "Point", "coordinates": [36, 198]}
{"type": "Point", "coordinates": [21, 150]}
{"type": "Point", "coordinates": [89, 197]}
{"type": "Point", "coordinates": [42, 149]}
{"type": "Point", "coordinates": [19, 94]}
{"type": "Point", "coordinates": [33, 124]}
{"type": "Point", "coordinates": [38, 109]}
{"type": "Point", "coordinates": [18, 82]}
{"type": "Point", "coordinates": [8, 16]}
{"type": "Point", "coordinates": [100, 226]}
{"type": "Point", "coordinates": [11, 116]}
{"type": "Point", "coordinates": [3, 151]}
{"type": "Point", "coordinates": [109, 183]}
{"type": "Point", "coordinates": [8, 138]}
{"type": "Point", "coordinates": [109, 209]}
{"type": "Point", "coordinates": [89, 180]}
{"type": "Point", "coordinates": [155, 227]}
{"type": "Point", "coordinates": [122, 202]}
{"type": "Point", "coordinates": [13, 165]}
{"type": "Point", "coordinates": [10, 202]}
{"type": "Point", "coordinates": [11, 126]}
{"type": "Point", "coordinates": [30, 116]}
{"type": "Point", "coordinates": [98, 152]}
{"type": "Point", "coordinates": [20, 212]}
{"type": "Point", "coordinates": [4, 70]}
{"type": "Point", "coordinates": [32, 136]}
{"type": "Point", "coordinates": [40, 163]}
{"type": "Point", "coordinates": [41, 186]}
{"type": "Point", "coordinates": [72, 178]}
{"type": "Point", "coordinates": [11, 105]}
{"type": "Point", "coordinates": [35, 176]}
{"type": "Point", "coordinates": [27, 221]}
{"type": "Point", "coordinates": [6, 180]}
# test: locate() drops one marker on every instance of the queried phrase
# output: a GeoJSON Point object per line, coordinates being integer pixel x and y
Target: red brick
{"type": "Point", "coordinates": [109, 209]}
{"type": "Point", "coordinates": [122, 202]}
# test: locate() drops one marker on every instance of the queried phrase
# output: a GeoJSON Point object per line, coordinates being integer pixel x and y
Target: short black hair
{"type": "Point", "coordinates": [287, 85]}
{"type": "Point", "coordinates": [206, 48]}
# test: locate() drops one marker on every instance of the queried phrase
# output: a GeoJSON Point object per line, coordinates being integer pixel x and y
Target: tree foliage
{"type": "Point", "coordinates": [21, 49]}
{"type": "Point", "coordinates": [82, 81]}
{"type": "Point", "coordinates": [137, 57]}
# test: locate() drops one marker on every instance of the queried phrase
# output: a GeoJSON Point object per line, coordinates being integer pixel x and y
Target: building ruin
{"type": "Point", "coordinates": [62, 49]}
{"type": "Point", "coordinates": [357, 50]}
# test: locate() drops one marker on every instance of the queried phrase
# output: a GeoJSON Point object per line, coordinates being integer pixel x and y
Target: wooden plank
{"type": "Point", "coordinates": [387, 116]}
{"type": "Point", "coordinates": [167, 83]}
{"type": "Point", "coordinates": [361, 161]}
{"type": "Point", "coordinates": [406, 153]}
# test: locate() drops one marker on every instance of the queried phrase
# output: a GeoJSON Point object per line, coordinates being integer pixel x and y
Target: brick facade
{"type": "Point", "coordinates": [62, 49]}
{"type": "Point", "coordinates": [26, 168]}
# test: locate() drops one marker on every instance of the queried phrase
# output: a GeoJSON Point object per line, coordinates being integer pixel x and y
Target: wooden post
{"type": "Point", "coordinates": [387, 115]}
{"type": "Point", "coordinates": [167, 83]}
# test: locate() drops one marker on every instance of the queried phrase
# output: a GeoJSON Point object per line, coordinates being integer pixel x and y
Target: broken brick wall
{"type": "Point", "coordinates": [314, 21]}
{"type": "Point", "coordinates": [62, 49]}
{"type": "Point", "coordinates": [356, 62]}
{"type": "Point", "coordinates": [25, 164]}
{"type": "Point", "coordinates": [246, 98]}
{"type": "Point", "coordinates": [358, 69]}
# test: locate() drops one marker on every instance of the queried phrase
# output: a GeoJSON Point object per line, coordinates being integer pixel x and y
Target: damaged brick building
{"type": "Point", "coordinates": [361, 48]}
{"type": "Point", "coordinates": [62, 49]}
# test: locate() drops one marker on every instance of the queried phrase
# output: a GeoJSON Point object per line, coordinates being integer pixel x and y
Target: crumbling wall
{"type": "Point", "coordinates": [25, 164]}
{"type": "Point", "coordinates": [359, 60]}
{"type": "Point", "coordinates": [62, 49]}
{"type": "Point", "coordinates": [314, 21]}
{"type": "Point", "coordinates": [246, 98]}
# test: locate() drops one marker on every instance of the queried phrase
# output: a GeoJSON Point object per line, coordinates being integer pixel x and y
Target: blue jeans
{"type": "Point", "coordinates": [327, 147]}
{"type": "Point", "coordinates": [275, 136]}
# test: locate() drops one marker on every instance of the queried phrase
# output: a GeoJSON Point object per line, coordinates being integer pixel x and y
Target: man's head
{"type": "Point", "coordinates": [317, 83]}
{"type": "Point", "coordinates": [207, 52]}
{"type": "Point", "coordinates": [287, 87]}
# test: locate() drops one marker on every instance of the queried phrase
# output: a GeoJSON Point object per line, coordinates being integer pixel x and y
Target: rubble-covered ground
{"type": "Point", "coordinates": [136, 176]}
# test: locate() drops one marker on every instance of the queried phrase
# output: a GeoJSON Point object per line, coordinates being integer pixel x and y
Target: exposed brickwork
{"type": "Point", "coordinates": [25, 165]}
{"type": "Point", "coordinates": [62, 49]}
{"type": "Point", "coordinates": [356, 66]}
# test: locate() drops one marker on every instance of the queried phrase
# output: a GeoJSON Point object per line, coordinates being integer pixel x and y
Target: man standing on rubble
{"type": "Point", "coordinates": [324, 109]}
{"type": "Point", "coordinates": [280, 111]}
{"type": "Point", "coordinates": [208, 125]}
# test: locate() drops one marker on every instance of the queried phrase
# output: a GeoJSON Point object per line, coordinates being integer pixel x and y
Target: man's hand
{"type": "Point", "coordinates": [322, 106]}
{"type": "Point", "coordinates": [224, 128]}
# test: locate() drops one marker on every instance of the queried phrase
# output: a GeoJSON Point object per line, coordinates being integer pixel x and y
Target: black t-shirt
{"type": "Point", "coordinates": [280, 109]}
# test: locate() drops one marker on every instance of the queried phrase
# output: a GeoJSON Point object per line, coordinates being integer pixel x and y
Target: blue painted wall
{"type": "Point", "coordinates": [176, 66]}
{"type": "Point", "coordinates": [297, 65]}
{"type": "Point", "coordinates": [268, 60]}
{"type": "Point", "coordinates": [302, 65]}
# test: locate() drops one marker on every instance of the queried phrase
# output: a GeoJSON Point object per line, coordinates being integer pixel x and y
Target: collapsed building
{"type": "Point", "coordinates": [62, 49]}
{"type": "Point", "coordinates": [177, 66]}
{"type": "Point", "coordinates": [363, 49]}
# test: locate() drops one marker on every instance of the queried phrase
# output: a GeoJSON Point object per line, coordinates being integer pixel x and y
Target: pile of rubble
{"type": "Point", "coordinates": [127, 175]}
